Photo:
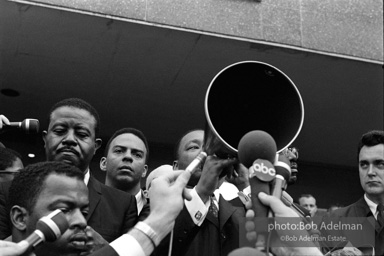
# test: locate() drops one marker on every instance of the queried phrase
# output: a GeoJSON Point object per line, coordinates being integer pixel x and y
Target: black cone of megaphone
{"type": "Point", "coordinates": [247, 96]}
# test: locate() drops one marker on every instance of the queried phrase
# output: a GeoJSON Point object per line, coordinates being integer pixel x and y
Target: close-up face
{"type": "Point", "coordinates": [371, 170]}
{"type": "Point", "coordinates": [8, 173]}
{"type": "Point", "coordinates": [190, 147]}
{"type": "Point", "coordinates": [125, 162]}
{"type": "Point", "coordinates": [71, 137]}
{"type": "Point", "coordinates": [70, 195]}
{"type": "Point", "coordinates": [309, 203]}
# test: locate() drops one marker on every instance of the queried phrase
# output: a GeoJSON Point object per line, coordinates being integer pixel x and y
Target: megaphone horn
{"type": "Point", "coordinates": [247, 96]}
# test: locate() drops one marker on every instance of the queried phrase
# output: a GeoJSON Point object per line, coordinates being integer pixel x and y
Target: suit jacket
{"type": "Point", "coordinates": [111, 212]}
{"type": "Point", "coordinates": [362, 215]}
{"type": "Point", "coordinates": [207, 239]}
{"type": "Point", "coordinates": [144, 212]}
{"type": "Point", "coordinates": [5, 222]}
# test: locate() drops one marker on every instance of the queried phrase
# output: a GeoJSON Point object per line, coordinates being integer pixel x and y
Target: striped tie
{"type": "Point", "coordinates": [213, 208]}
{"type": "Point", "coordinates": [380, 217]}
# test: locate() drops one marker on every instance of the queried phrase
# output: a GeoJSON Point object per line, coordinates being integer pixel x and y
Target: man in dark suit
{"type": "Point", "coordinates": [10, 164]}
{"type": "Point", "coordinates": [71, 137]}
{"type": "Point", "coordinates": [42, 188]}
{"type": "Point", "coordinates": [367, 210]}
{"type": "Point", "coordinates": [125, 161]}
{"type": "Point", "coordinates": [208, 224]}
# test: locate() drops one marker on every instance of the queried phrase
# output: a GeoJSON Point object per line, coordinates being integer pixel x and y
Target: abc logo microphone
{"type": "Point", "coordinates": [257, 151]}
{"type": "Point", "coordinates": [49, 228]}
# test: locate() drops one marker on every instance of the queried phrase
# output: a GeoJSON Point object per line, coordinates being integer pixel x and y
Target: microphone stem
{"type": "Point", "coordinates": [196, 162]}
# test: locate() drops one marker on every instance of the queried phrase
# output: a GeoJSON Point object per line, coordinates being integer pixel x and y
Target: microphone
{"type": "Point", "coordinates": [288, 201]}
{"type": "Point", "coordinates": [283, 173]}
{"type": "Point", "coordinates": [29, 126]}
{"type": "Point", "coordinates": [48, 228]}
{"type": "Point", "coordinates": [196, 162]}
{"type": "Point", "coordinates": [257, 151]}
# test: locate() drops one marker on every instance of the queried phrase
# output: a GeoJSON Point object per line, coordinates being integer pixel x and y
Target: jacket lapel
{"type": "Point", "coordinates": [226, 210]}
{"type": "Point", "coordinates": [94, 194]}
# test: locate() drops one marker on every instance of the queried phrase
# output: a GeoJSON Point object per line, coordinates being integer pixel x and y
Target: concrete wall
{"type": "Point", "coordinates": [350, 28]}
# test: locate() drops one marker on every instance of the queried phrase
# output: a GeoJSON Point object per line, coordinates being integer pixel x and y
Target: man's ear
{"type": "Point", "coordinates": [145, 171]}
{"type": "Point", "coordinates": [98, 142]}
{"type": "Point", "coordinates": [19, 217]}
{"type": "Point", "coordinates": [175, 165]}
{"type": "Point", "coordinates": [103, 164]}
{"type": "Point", "coordinates": [44, 135]}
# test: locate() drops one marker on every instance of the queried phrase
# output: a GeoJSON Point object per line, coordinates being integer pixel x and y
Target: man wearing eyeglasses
{"type": "Point", "coordinates": [10, 164]}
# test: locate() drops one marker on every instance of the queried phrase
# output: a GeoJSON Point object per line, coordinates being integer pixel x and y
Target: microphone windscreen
{"type": "Point", "coordinates": [246, 251]}
{"type": "Point", "coordinates": [256, 145]}
{"type": "Point", "coordinates": [30, 126]}
{"type": "Point", "coordinates": [53, 225]}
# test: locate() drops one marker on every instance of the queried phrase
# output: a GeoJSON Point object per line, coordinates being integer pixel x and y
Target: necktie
{"type": "Point", "coordinates": [213, 210]}
{"type": "Point", "coordinates": [380, 217]}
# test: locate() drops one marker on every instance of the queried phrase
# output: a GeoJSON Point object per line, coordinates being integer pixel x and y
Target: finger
{"type": "Point", "coordinates": [274, 203]}
{"type": "Point", "coordinates": [171, 176]}
{"type": "Point", "coordinates": [250, 214]}
{"type": "Point", "coordinates": [187, 194]}
{"type": "Point", "coordinates": [242, 170]}
{"type": "Point", "coordinates": [182, 179]}
{"type": "Point", "coordinates": [248, 204]}
{"type": "Point", "coordinates": [11, 248]}
{"type": "Point", "coordinates": [3, 119]}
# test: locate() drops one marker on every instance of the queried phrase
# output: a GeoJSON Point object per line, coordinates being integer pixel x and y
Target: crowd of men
{"type": "Point", "coordinates": [178, 213]}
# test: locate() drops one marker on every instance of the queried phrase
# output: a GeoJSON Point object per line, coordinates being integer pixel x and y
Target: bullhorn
{"type": "Point", "coordinates": [247, 96]}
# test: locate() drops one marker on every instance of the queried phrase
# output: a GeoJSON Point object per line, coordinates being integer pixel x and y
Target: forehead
{"type": "Point", "coordinates": [72, 114]}
{"type": "Point", "coordinates": [374, 152]}
{"type": "Point", "coordinates": [128, 140]}
{"type": "Point", "coordinates": [59, 187]}
{"type": "Point", "coordinates": [307, 200]}
{"type": "Point", "coordinates": [194, 136]}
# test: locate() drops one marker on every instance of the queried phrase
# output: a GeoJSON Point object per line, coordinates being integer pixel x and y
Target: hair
{"type": "Point", "coordinates": [306, 196]}
{"type": "Point", "coordinates": [29, 182]}
{"type": "Point", "coordinates": [133, 131]}
{"type": "Point", "coordinates": [177, 145]}
{"type": "Point", "coordinates": [8, 157]}
{"type": "Point", "coordinates": [80, 104]}
{"type": "Point", "coordinates": [370, 139]}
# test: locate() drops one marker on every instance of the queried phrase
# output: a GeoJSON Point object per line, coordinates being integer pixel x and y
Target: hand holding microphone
{"type": "Point", "coordinates": [29, 125]}
{"type": "Point", "coordinates": [257, 151]}
{"type": "Point", "coordinates": [49, 228]}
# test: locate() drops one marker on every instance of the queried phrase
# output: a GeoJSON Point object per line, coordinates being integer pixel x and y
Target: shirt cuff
{"type": "Point", "coordinates": [197, 208]}
{"type": "Point", "coordinates": [247, 191]}
{"type": "Point", "coordinates": [127, 245]}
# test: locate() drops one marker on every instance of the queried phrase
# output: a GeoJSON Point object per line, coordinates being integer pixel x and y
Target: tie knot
{"type": "Point", "coordinates": [380, 208]}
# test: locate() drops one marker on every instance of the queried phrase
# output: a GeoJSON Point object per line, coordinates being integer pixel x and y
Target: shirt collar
{"type": "Point", "coordinates": [372, 206]}
{"type": "Point", "coordinates": [140, 200]}
{"type": "Point", "coordinates": [87, 175]}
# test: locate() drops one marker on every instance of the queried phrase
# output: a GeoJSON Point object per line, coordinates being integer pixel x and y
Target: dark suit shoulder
{"type": "Point", "coordinates": [358, 209]}
{"type": "Point", "coordinates": [111, 212]}
{"type": "Point", "coordinates": [113, 192]}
